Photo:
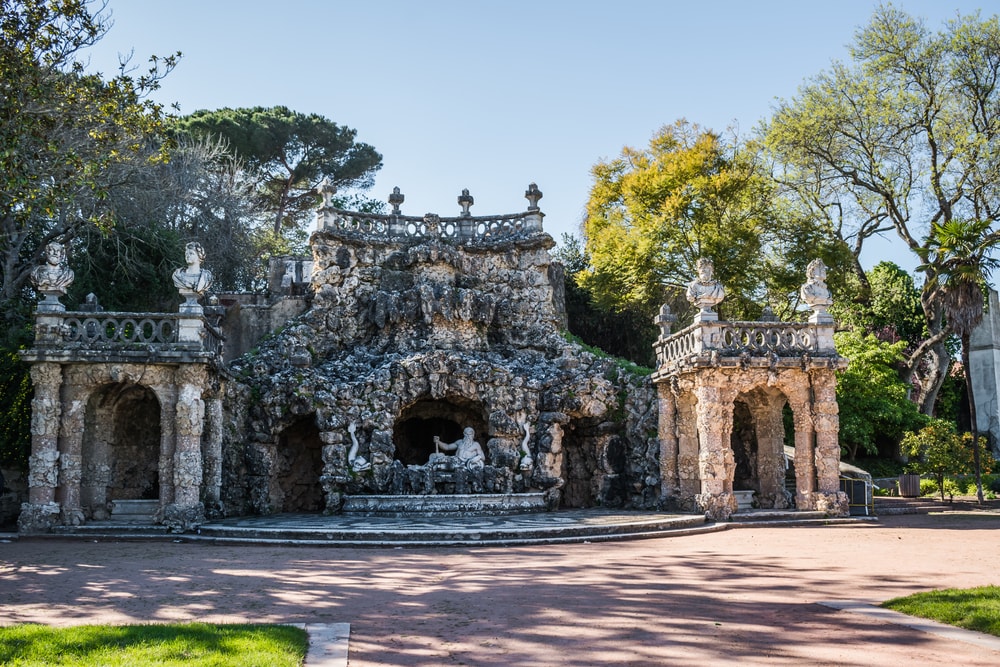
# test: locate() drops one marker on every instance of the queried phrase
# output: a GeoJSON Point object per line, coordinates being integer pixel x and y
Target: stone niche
{"type": "Point", "coordinates": [420, 328]}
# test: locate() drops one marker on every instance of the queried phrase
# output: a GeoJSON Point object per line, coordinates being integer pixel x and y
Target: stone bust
{"type": "Point", "coordinates": [815, 292]}
{"type": "Point", "coordinates": [705, 292]}
{"type": "Point", "coordinates": [54, 276]}
{"type": "Point", "coordinates": [193, 278]}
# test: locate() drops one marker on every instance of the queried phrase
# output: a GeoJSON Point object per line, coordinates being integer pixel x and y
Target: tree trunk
{"type": "Point", "coordinates": [973, 427]}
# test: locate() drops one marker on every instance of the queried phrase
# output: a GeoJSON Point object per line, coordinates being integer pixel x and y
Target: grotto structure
{"type": "Point", "coordinates": [414, 364]}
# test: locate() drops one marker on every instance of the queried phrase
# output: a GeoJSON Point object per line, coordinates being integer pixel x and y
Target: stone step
{"type": "Point", "coordinates": [776, 515]}
{"type": "Point", "coordinates": [449, 532]}
{"type": "Point", "coordinates": [480, 504]}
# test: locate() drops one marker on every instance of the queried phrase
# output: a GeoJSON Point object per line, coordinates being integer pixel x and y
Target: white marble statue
{"type": "Point", "coordinates": [357, 463]}
{"type": "Point", "coordinates": [815, 292]}
{"type": "Point", "coordinates": [468, 452]}
{"type": "Point", "coordinates": [192, 281]}
{"type": "Point", "coordinates": [705, 292]}
{"type": "Point", "coordinates": [193, 277]}
{"type": "Point", "coordinates": [526, 461]}
{"type": "Point", "coordinates": [55, 275]}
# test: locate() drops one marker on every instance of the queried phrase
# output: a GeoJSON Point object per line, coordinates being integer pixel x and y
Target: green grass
{"type": "Point", "coordinates": [188, 644]}
{"type": "Point", "coordinates": [973, 608]}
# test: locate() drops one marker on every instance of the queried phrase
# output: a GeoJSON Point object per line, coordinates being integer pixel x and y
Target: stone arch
{"type": "Point", "coordinates": [121, 447]}
{"type": "Point", "coordinates": [299, 465]}
{"type": "Point", "coordinates": [418, 423]}
{"type": "Point", "coordinates": [757, 440]}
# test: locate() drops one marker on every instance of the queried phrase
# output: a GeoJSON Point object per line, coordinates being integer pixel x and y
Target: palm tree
{"type": "Point", "coordinates": [960, 263]}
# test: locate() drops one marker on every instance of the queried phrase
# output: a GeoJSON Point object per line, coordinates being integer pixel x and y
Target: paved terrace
{"type": "Point", "coordinates": [748, 596]}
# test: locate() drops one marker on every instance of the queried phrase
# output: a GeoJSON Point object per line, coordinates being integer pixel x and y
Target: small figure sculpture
{"type": "Point", "coordinates": [705, 292]}
{"type": "Point", "coordinates": [357, 463]}
{"type": "Point", "coordinates": [468, 452]}
{"type": "Point", "coordinates": [815, 292]}
{"type": "Point", "coordinates": [53, 277]}
{"type": "Point", "coordinates": [526, 461]}
{"type": "Point", "coordinates": [192, 281]}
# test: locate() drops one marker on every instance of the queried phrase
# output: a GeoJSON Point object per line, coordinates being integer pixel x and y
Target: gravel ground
{"type": "Point", "coordinates": [747, 596]}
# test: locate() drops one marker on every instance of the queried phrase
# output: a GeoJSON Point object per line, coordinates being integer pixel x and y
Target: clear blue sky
{"type": "Point", "coordinates": [491, 96]}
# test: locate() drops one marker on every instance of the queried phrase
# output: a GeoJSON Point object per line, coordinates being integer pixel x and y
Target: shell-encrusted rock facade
{"type": "Point", "coordinates": [415, 335]}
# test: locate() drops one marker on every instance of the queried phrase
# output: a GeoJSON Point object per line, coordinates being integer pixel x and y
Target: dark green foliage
{"type": "Point", "coordinates": [15, 411]}
{"type": "Point", "coordinates": [890, 308]}
{"type": "Point", "coordinates": [626, 332]}
{"type": "Point", "coordinates": [290, 153]}
{"type": "Point", "coordinates": [875, 410]}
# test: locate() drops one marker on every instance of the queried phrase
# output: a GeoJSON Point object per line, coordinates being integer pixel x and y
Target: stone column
{"type": "Point", "coordinates": [770, 452]}
{"type": "Point", "coordinates": [212, 456]}
{"type": "Point", "coordinates": [187, 511]}
{"type": "Point", "coordinates": [688, 476]}
{"type": "Point", "coordinates": [74, 408]}
{"type": "Point", "coordinates": [828, 496]}
{"type": "Point", "coordinates": [805, 467]}
{"type": "Point", "coordinates": [715, 456]}
{"type": "Point", "coordinates": [667, 434]}
{"type": "Point", "coordinates": [41, 512]}
{"type": "Point", "coordinates": [167, 396]}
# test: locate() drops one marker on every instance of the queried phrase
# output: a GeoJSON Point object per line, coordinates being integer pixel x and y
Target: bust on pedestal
{"type": "Point", "coordinates": [52, 278]}
{"type": "Point", "coordinates": [192, 281]}
{"type": "Point", "coordinates": [705, 292]}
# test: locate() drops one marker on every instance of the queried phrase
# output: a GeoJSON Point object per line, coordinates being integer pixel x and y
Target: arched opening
{"type": "Point", "coordinates": [299, 465]}
{"type": "Point", "coordinates": [758, 440]}
{"type": "Point", "coordinates": [581, 466]}
{"type": "Point", "coordinates": [744, 444]}
{"type": "Point", "coordinates": [413, 434]}
{"type": "Point", "coordinates": [121, 447]}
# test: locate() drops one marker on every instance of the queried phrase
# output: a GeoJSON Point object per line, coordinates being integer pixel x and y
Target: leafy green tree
{"type": "Point", "coordinates": [902, 137]}
{"type": "Point", "coordinates": [891, 309]}
{"type": "Point", "coordinates": [939, 450]}
{"type": "Point", "coordinates": [652, 213]}
{"type": "Point", "coordinates": [959, 260]}
{"type": "Point", "coordinates": [290, 152]}
{"type": "Point", "coordinates": [626, 332]}
{"type": "Point", "coordinates": [66, 136]}
{"type": "Point", "coordinates": [874, 402]}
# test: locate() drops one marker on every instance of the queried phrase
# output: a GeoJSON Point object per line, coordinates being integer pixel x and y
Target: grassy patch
{"type": "Point", "coordinates": [188, 644]}
{"type": "Point", "coordinates": [973, 608]}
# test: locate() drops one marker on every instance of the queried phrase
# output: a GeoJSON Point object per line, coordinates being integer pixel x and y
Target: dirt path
{"type": "Point", "coordinates": [746, 596]}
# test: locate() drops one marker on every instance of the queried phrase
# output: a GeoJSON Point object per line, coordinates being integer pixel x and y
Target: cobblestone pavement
{"type": "Point", "coordinates": [744, 596]}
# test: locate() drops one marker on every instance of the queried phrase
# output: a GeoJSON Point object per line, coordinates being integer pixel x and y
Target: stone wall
{"type": "Point", "coordinates": [424, 334]}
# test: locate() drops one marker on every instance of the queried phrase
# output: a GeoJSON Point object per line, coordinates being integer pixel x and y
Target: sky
{"type": "Point", "coordinates": [492, 96]}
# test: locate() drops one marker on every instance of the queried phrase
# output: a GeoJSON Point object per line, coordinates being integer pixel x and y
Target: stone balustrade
{"type": "Point", "coordinates": [720, 339]}
{"type": "Point", "coordinates": [406, 227]}
{"type": "Point", "coordinates": [109, 331]}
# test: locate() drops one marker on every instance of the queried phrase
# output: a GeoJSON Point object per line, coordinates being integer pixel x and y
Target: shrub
{"type": "Point", "coordinates": [952, 489]}
{"type": "Point", "coordinates": [928, 487]}
{"type": "Point", "coordinates": [994, 484]}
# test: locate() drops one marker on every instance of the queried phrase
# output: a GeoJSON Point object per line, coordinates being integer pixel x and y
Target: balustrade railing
{"type": "Point", "coordinates": [109, 330]}
{"type": "Point", "coordinates": [734, 339]}
{"type": "Point", "coordinates": [405, 227]}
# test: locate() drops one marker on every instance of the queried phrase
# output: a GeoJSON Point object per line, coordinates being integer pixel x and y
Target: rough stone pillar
{"type": "Point", "coordinates": [74, 409]}
{"type": "Point", "coordinates": [41, 512]}
{"type": "Point", "coordinates": [667, 432]}
{"type": "Point", "coordinates": [770, 453]}
{"type": "Point", "coordinates": [828, 496]}
{"type": "Point", "coordinates": [805, 467]}
{"type": "Point", "coordinates": [688, 476]}
{"type": "Point", "coordinates": [335, 471]}
{"type": "Point", "coordinates": [212, 457]}
{"type": "Point", "coordinates": [187, 511]}
{"type": "Point", "coordinates": [716, 465]}
{"type": "Point", "coordinates": [167, 395]}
